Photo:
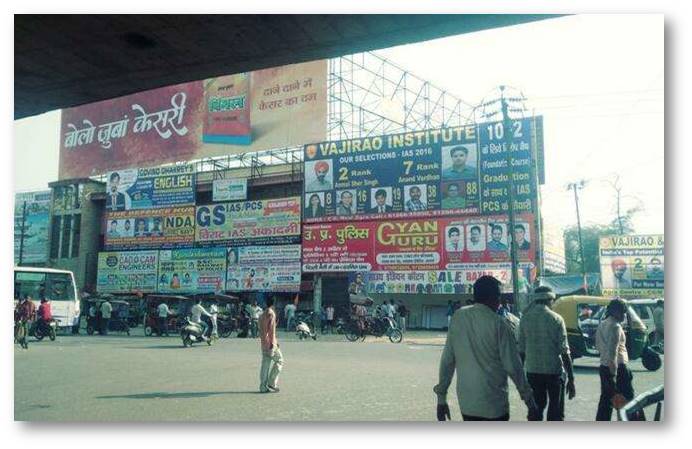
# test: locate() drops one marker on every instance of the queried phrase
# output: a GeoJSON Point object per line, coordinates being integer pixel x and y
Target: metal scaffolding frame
{"type": "Point", "coordinates": [367, 95]}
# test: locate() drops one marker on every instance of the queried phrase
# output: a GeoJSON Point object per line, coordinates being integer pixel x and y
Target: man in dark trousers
{"type": "Point", "coordinates": [482, 349]}
{"type": "Point", "coordinates": [543, 346]}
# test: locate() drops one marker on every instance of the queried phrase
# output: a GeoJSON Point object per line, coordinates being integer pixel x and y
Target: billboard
{"type": "Point", "coordinates": [150, 228]}
{"type": "Point", "coordinates": [261, 222]}
{"type": "Point", "coordinates": [632, 266]}
{"type": "Point", "coordinates": [416, 244]}
{"type": "Point", "coordinates": [126, 272]}
{"type": "Point", "coordinates": [458, 171]}
{"type": "Point", "coordinates": [229, 189]}
{"type": "Point", "coordinates": [192, 270]}
{"type": "Point", "coordinates": [146, 188]}
{"type": "Point", "coordinates": [264, 268]}
{"type": "Point", "coordinates": [440, 282]}
{"type": "Point", "coordinates": [245, 112]}
{"type": "Point", "coordinates": [31, 221]}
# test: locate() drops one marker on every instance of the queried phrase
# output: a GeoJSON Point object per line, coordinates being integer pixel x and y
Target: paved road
{"type": "Point", "coordinates": [119, 378]}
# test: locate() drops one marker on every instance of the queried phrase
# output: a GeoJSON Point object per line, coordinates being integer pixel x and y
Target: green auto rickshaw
{"type": "Point", "coordinates": [582, 314]}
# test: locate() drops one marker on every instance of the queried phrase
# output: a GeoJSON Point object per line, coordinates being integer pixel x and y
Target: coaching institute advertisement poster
{"type": "Point", "coordinates": [261, 222]}
{"type": "Point", "coordinates": [126, 272]}
{"type": "Point", "coordinates": [31, 218]}
{"type": "Point", "coordinates": [150, 228]}
{"type": "Point", "coordinates": [415, 245]}
{"type": "Point", "coordinates": [458, 171]}
{"type": "Point", "coordinates": [632, 266]}
{"type": "Point", "coordinates": [192, 270]}
{"type": "Point", "coordinates": [239, 113]}
{"type": "Point", "coordinates": [264, 268]}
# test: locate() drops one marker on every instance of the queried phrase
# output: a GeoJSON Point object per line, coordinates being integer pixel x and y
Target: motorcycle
{"type": "Point", "coordinates": [41, 329]}
{"type": "Point", "coordinates": [192, 333]}
{"type": "Point", "coordinates": [304, 332]}
{"type": "Point", "coordinates": [377, 327]}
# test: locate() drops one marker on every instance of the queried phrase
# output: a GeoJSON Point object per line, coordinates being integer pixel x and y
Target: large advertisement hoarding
{"type": "Point", "coordinates": [229, 190]}
{"type": "Point", "coordinates": [442, 282]}
{"type": "Point", "coordinates": [455, 171]}
{"type": "Point", "coordinates": [192, 270]}
{"type": "Point", "coordinates": [415, 245]}
{"type": "Point", "coordinates": [264, 109]}
{"type": "Point", "coordinates": [261, 222]}
{"type": "Point", "coordinates": [150, 228]}
{"type": "Point", "coordinates": [632, 266]}
{"type": "Point", "coordinates": [264, 268]}
{"type": "Point", "coordinates": [31, 219]}
{"type": "Point", "coordinates": [127, 272]}
{"type": "Point", "coordinates": [146, 188]}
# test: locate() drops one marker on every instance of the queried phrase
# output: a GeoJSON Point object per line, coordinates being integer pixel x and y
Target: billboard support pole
{"type": "Point", "coordinates": [507, 125]}
{"type": "Point", "coordinates": [576, 186]}
{"type": "Point", "coordinates": [21, 235]}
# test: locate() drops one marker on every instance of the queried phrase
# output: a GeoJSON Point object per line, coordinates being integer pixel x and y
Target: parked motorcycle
{"type": "Point", "coordinates": [41, 329]}
{"type": "Point", "coordinates": [304, 332]}
{"type": "Point", "coordinates": [192, 333]}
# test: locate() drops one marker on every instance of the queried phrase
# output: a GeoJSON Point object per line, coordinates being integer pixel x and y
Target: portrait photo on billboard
{"type": "Point", "coordinates": [117, 184]}
{"type": "Point", "coordinates": [346, 202]}
{"type": "Point", "coordinates": [454, 238]}
{"type": "Point", "coordinates": [453, 195]}
{"type": "Point", "coordinates": [415, 198]}
{"type": "Point", "coordinates": [380, 200]}
{"type": "Point", "coordinates": [459, 162]}
{"type": "Point", "coordinates": [497, 240]}
{"type": "Point", "coordinates": [319, 175]}
{"type": "Point", "coordinates": [522, 236]}
{"type": "Point", "coordinates": [142, 227]}
{"type": "Point", "coordinates": [620, 274]}
{"type": "Point", "coordinates": [475, 237]}
{"type": "Point", "coordinates": [314, 205]}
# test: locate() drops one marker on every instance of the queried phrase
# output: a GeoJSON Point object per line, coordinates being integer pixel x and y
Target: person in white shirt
{"type": "Point", "coordinates": [481, 348]}
{"type": "Point", "coordinates": [196, 312]}
{"type": "Point", "coordinates": [106, 310]}
{"type": "Point", "coordinates": [616, 378]}
{"type": "Point", "coordinates": [163, 311]}
{"type": "Point", "coordinates": [289, 314]}
{"type": "Point", "coordinates": [214, 312]}
{"type": "Point", "coordinates": [255, 312]}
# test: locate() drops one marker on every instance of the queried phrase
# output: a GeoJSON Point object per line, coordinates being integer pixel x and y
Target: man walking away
{"type": "Point", "coordinates": [616, 378]}
{"type": "Point", "coordinates": [481, 349]}
{"type": "Point", "coordinates": [272, 359]}
{"type": "Point", "coordinates": [163, 312]}
{"type": "Point", "coordinates": [543, 346]}
{"type": "Point", "coordinates": [106, 310]}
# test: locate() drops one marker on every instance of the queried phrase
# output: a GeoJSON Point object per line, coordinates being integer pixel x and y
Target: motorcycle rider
{"type": "Point", "coordinates": [24, 314]}
{"type": "Point", "coordinates": [45, 314]}
{"type": "Point", "coordinates": [196, 312]}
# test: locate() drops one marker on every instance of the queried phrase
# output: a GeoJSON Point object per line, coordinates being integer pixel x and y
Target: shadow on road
{"type": "Point", "coordinates": [594, 369]}
{"type": "Point", "coordinates": [161, 395]}
{"type": "Point", "coordinates": [180, 346]}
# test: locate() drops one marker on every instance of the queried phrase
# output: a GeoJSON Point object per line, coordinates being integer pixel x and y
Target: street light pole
{"type": "Point", "coordinates": [507, 126]}
{"type": "Point", "coordinates": [576, 186]}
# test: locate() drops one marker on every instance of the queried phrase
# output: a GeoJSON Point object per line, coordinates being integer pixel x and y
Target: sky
{"type": "Point", "coordinates": [597, 80]}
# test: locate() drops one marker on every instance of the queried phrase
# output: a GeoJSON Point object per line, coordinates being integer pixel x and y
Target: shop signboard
{"type": "Point", "coordinates": [243, 223]}
{"type": "Point", "coordinates": [229, 189]}
{"type": "Point", "coordinates": [150, 228]}
{"type": "Point", "coordinates": [457, 171]}
{"type": "Point", "coordinates": [632, 266]}
{"type": "Point", "coordinates": [231, 114]}
{"type": "Point", "coordinates": [146, 188]}
{"type": "Point", "coordinates": [127, 271]}
{"type": "Point", "coordinates": [192, 270]}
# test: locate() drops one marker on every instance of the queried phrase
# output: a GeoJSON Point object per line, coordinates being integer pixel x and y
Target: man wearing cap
{"type": "Point", "coordinates": [321, 182]}
{"type": "Point", "coordinates": [543, 346]}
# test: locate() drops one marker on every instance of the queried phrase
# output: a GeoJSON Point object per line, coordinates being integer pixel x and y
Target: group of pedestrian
{"type": "Point", "coordinates": [486, 345]}
{"type": "Point", "coordinates": [99, 315]}
{"type": "Point", "coordinates": [397, 313]}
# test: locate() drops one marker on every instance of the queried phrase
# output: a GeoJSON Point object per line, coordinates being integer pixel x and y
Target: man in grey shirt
{"type": "Point", "coordinates": [482, 349]}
